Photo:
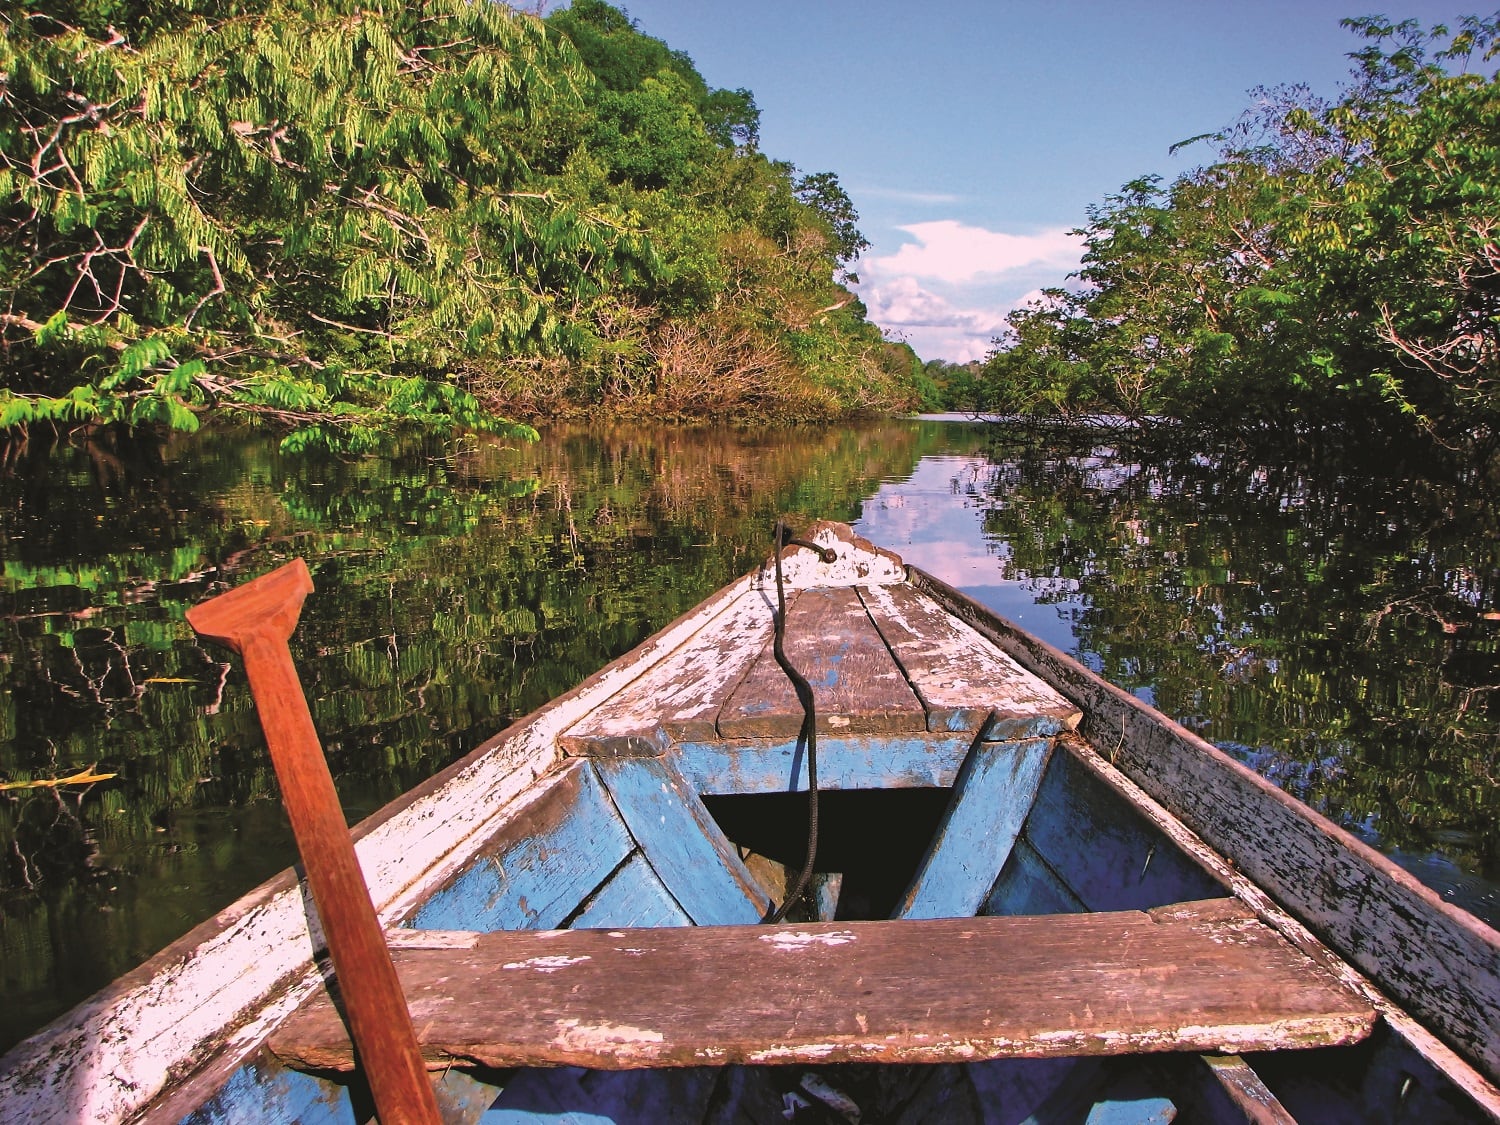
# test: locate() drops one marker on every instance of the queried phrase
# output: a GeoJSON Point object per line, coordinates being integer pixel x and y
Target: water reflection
{"type": "Point", "coordinates": [1332, 625]}
{"type": "Point", "coordinates": [1329, 626]}
{"type": "Point", "coordinates": [457, 587]}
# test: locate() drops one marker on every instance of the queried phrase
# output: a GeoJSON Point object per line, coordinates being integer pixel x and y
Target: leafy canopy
{"type": "Point", "coordinates": [346, 220]}
{"type": "Point", "coordinates": [1337, 263]}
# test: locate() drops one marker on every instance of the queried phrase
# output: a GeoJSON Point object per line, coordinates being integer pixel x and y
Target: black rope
{"type": "Point", "coordinates": [808, 734]}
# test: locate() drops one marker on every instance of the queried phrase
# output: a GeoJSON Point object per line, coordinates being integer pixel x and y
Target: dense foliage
{"type": "Point", "coordinates": [345, 218]}
{"type": "Point", "coordinates": [1336, 264]}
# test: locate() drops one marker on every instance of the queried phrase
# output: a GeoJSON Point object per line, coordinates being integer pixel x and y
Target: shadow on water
{"type": "Point", "coordinates": [1334, 627]}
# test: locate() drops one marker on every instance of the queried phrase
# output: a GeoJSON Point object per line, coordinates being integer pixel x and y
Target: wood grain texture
{"type": "Point", "coordinates": [857, 562]}
{"type": "Point", "coordinates": [539, 867]}
{"type": "Point", "coordinates": [1028, 886]}
{"type": "Point", "coordinates": [963, 680]}
{"type": "Point", "coordinates": [991, 800]}
{"type": "Point", "coordinates": [856, 683]}
{"type": "Point", "coordinates": [1237, 1094]}
{"type": "Point", "coordinates": [1438, 1071]}
{"type": "Point", "coordinates": [745, 765]}
{"type": "Point", "coordinates": [166, 1036]}
{"type": "Point", "coordinates": [682, 842]}
{"type": "Point", "coordinates": [1440, 963]}
{"type": "Point", "coordinates": [942, 990]}
{"type": "Point", "coordinates": [632, 896]}
{"type": "Point", "coordinates": [680, 698]}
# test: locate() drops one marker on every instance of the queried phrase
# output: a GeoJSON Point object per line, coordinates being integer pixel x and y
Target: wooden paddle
{"type": "Point", "coordinates": [256, 620]}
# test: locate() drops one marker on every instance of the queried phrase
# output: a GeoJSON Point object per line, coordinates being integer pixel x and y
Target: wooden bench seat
{"type": "Point", "coordinates": [1203, 976]}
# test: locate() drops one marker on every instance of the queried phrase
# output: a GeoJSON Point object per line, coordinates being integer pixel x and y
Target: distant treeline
{"type": "Point", "coordinates": [1336, 265]}
{"type": "Point", "coordinates": [343, 219]}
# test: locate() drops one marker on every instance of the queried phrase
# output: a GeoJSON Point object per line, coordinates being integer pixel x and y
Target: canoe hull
{"type": "Point", "coordinates": [603, 810]}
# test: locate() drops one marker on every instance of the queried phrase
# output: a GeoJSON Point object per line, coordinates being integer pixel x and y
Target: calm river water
{"type": "Point", "coordinates": [1338, 629]}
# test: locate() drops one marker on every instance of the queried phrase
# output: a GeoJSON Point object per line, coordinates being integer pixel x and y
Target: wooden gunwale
{"type": "Point", "coordinates": [1418, 952]}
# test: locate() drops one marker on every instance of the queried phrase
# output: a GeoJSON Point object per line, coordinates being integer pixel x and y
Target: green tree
{"type": "Point", "coordinates": [1404, 243]}
{"type": "Point", "coordinates": [300, 211]}
{"type": "Point", "coordinates": [825, 195]}
{"type": "Point", "coordinates": [347, 221]}
{"type": "Point", "coordinates": [1336, 264]}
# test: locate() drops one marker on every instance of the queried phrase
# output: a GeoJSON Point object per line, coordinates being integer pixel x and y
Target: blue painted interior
{"type": "Point", "coordinates": [533, 880]}
{"type": "Point", "coordinates": [991, 798]}
{"type": "Point", "coordinates": [854, 762]}
{"type": "Point", "coordinates": [637, 847]}
{"type": "Point", "coordinates": [691, 856]}
{"type": "Point", "coordinates": [1082, 844]}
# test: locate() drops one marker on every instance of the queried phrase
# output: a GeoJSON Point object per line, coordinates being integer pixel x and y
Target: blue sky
{"type": "Point", "coordinates": [971, 136]}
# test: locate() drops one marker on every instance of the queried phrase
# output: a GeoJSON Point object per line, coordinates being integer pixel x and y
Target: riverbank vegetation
{"type": "Point", "coordinates": [1336, 264]}
{"type": "Point", "coordinates": [343, 219]}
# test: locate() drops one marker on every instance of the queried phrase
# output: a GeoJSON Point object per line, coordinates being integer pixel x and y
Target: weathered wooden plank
{"type": "Point", "coordinates": [1234, 1093]}
{"type": "Point", "coordinates": [271, 1092]}
{"type": "Point", "coordinates": [1122, 861]}
{"type": "Point", "coordinates": [1427, 1067]}
{"type": "Point", "coordinates": [962, 679]}
{"type": "Point", "coordinates": [185, 1021]}
{"type": "Point", "coordinates": [915, 991]}
{"type": "Point", "coordinates": [268, 1092]}
{"type": "Point", "coordinates": [856, 684]}
{"type": "Point", "coordinates": [1440, 962]}
{"type": "Point", "coordinates": [682, 842]}
{"type": "Point", "coordinates": [633, 896]}
{"type": "Point", "coordinates": [680, 698]}
{"type": "Point", "coordinates": [991, 800]}
{"type": "Point", "coordinates": [539, 867]}
{"type": "Point", "coordinates": [857, 562]}
{"type": "Point", "coordinates": [902, 761]}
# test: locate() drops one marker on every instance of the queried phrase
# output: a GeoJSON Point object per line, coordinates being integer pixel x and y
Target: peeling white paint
{"type": "Point", "coordinates": [211, 992]}
{"type": "Point", "coordinates": [399, 938]}
{"type": "Point", "coordinates": [575, 1035]}
{"type": "Point", "coordinates": [795, 939]}
{"type": "Point", "coordinates": [545, 964]}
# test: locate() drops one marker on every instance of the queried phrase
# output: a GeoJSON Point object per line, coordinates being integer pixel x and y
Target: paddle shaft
{"type": "Point", "coordinates": [256, 620]}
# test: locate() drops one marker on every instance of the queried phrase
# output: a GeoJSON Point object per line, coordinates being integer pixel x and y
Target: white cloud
{"type": "Point", "coordinates": [951, 251]}
{"type": "Point", "coordinates": [948, 293]}
{"type": "Point", "coordinates": [903, 302]}
{"type": "Point", "coordinates": [934, 326]}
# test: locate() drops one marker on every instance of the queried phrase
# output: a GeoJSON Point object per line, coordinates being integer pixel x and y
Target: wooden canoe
{"type": "Point", "coordinates": [1036, 899]}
